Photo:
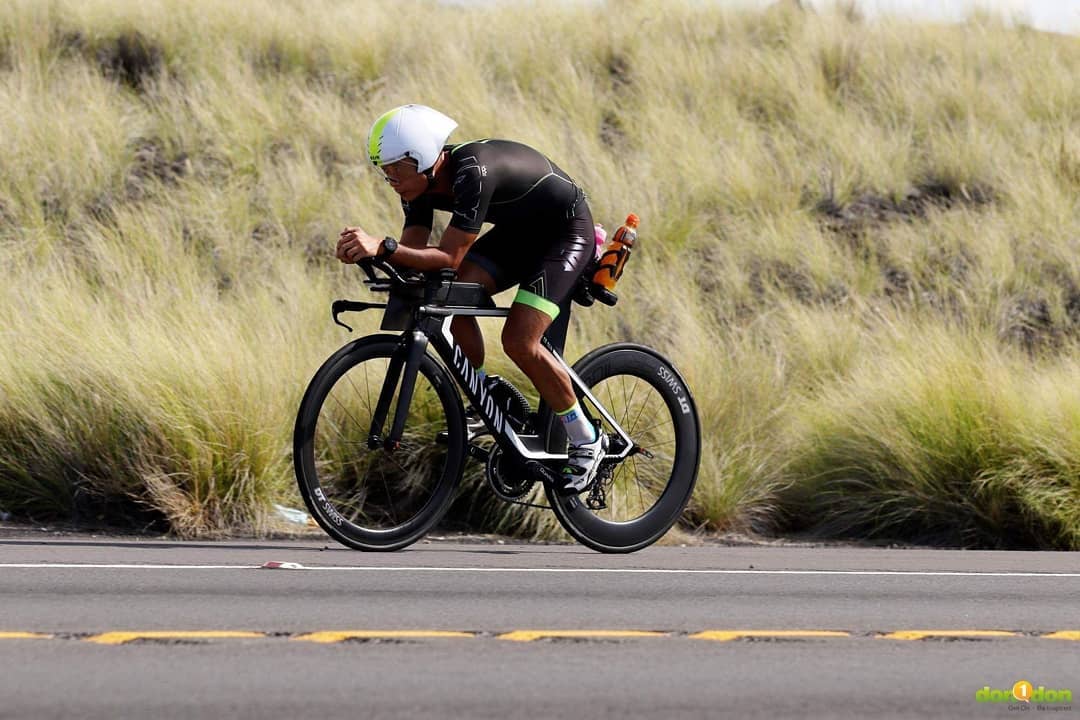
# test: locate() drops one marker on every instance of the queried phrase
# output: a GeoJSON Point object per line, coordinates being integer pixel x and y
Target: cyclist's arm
{"type": "Point", "coordinates": [415, 236]}
{"type": "Point", "coordinates": [450, 252]}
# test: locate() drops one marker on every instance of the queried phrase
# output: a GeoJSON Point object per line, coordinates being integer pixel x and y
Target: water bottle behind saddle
{"type": "Point", "coordinates": [613, 261]}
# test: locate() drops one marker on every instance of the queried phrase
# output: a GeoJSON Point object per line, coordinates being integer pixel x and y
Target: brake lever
{"type": "Point", "coordinates": [336, 308]}
{"type": "Point", "coordinates": [340, 306]}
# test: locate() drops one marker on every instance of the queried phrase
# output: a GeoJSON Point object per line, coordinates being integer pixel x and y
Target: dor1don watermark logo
{"type": "Point", "coordinates": [1028, 696]}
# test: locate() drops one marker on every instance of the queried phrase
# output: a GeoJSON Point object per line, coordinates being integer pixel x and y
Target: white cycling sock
{"type": "Point", "coordinates": [577, 426]}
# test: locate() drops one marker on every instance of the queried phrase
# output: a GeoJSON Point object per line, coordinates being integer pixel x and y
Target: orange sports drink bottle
{"type": "Point", "coordinates": [614, 258]}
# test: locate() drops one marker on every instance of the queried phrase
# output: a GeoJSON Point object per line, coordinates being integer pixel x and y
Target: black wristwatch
{"type": "Point", "coordinates": [389, 247]}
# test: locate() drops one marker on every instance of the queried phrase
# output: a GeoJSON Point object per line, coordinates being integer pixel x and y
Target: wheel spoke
{"type": "Point", "coordinates": [366, 396]}
{"type": "Point", "coordinates": [637, 482]}
{"type": "Point", "coordinates": [633, 425]}
{"type": "Point", "coordinates": [386, 487]}
{"type": "Point", "coordinates": [347, 412]}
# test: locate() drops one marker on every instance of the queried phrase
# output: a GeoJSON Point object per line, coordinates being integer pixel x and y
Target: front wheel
{"type": "Point", "coordinates": [363, 494]}
{"type": "Point", "coordinates": [644, 494]}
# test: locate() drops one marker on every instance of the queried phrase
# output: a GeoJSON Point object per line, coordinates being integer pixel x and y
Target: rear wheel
{"type": "Point", "coordinates": [373, 498]}
{"type": "Point", "coordinates": [644, 494]}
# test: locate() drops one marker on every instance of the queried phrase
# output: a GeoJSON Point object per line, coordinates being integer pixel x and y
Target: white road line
{"type": "Point", "coordinates": [130, 566]}
{"type": "Point", "coordinates": [624, 571]}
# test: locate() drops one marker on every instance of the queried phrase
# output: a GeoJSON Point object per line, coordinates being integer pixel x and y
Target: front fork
{"type": "Point", "coordinates": [406, 357]}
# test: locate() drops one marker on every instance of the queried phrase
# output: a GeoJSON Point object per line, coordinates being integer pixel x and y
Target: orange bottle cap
{"type": "Point", "coordinates": [632, 220]}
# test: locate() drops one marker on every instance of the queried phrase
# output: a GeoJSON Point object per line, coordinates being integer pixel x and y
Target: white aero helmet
{"type": "Point", "coordinates": [409, 131]}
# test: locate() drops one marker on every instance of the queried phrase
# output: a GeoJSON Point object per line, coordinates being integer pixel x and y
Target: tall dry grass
{"type": "Point", "coordinates": [859, 244]}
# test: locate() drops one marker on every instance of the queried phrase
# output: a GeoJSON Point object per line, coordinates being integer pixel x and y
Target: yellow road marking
{"type": "Point", "coordinates": [1064, 635]}
{"type": "Point", "coordinates": [530, 635]}
{"type": "Point", "coordinates": [333, 636]}
{"type": "Point", "coordinates": [118, 638]}
{"type": "Point", "coordinates": [921, 634]}
{"type": "Point", "coordinates": [725, 635]}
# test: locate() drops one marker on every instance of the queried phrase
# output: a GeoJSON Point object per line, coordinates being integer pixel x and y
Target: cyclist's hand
{"type": "Point", "coordinates": [355, 244]}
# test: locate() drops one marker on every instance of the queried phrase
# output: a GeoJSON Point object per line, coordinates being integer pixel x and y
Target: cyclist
{"type": "Point", "coordinates": [541, 241]}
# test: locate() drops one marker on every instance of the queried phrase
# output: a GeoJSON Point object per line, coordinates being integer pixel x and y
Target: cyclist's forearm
{"type": "Point", "coordinates": [451, 250]}
{"type": "Point", "coordinates": [428, 258]}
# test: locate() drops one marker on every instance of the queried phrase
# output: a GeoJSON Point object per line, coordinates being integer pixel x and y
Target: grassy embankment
{"type": "Point", "coordinates": [859, 244]}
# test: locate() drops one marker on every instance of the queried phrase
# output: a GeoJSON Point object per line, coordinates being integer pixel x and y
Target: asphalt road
{"type": "Point", "coordinates": [108, 628]}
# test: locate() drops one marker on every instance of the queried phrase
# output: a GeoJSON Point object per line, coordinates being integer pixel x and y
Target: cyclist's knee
{"type": "Point", "coordinates": [462, 323]}
{"type": "Point", "coordinates": [522, 332]}
{"type": "Point", "coordinates": [521, 348]}
{"type": "Point", "coordinates": [471, 272]}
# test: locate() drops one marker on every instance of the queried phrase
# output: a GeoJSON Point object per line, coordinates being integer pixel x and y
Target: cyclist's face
{"type": "Point", "coordinates": [404, 178]}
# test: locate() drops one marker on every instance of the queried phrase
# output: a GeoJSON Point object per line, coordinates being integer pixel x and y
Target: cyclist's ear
{"type": "Point", "coordinates": [430, 172]}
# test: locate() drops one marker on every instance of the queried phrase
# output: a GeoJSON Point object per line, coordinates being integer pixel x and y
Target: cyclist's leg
{"type": "Point", "coordinates": [477, 268]}
{"type": "Point", "coordinates": [497, 261]}
{"type": "Point", "coordinates": [540, 301]}
{"type": "Point", "coordinates": [521, 342]}
{"type": "Point", "coordinates": [542, 304]}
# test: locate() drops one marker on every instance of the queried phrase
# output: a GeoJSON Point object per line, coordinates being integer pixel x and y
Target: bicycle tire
{"type": "Point", "coordinates": [346, 485]}
{"type": "Point", "coordinates": [670, 397]}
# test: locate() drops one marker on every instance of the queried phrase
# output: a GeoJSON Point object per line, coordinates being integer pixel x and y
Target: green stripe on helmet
{"type": "Point", "coordinates": [375, 140]}
{"type": "Point", "coordinates": [535, 301]}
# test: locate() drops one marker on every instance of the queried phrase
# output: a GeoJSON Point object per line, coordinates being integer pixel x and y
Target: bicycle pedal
{"type": "Point", "coordinates": [479, 453]}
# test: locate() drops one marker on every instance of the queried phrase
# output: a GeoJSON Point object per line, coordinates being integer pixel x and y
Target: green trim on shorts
{"type": "Point", "coordinates": [535, 301]}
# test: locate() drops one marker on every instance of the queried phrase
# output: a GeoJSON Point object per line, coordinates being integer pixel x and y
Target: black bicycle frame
{"type": "Point", "coordinates": [432, 326]}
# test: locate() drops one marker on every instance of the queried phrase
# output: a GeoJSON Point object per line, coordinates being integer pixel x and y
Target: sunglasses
{"type": "Point", "coordinates": [401, 172]}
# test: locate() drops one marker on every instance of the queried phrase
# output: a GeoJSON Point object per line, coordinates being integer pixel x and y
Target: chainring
{"type": "Point", "coordinates": [509, 479]}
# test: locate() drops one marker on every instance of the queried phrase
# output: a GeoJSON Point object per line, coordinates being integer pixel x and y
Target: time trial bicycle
{"type": "Point", "coordinates": [382, 434]}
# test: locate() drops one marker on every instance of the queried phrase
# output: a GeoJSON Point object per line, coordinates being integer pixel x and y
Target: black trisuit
{"type": "Point", "coordinates": [543, 236]}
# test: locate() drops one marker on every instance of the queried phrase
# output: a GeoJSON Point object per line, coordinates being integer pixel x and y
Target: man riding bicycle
{"type": "Point", "coordinates": [541, 241]}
